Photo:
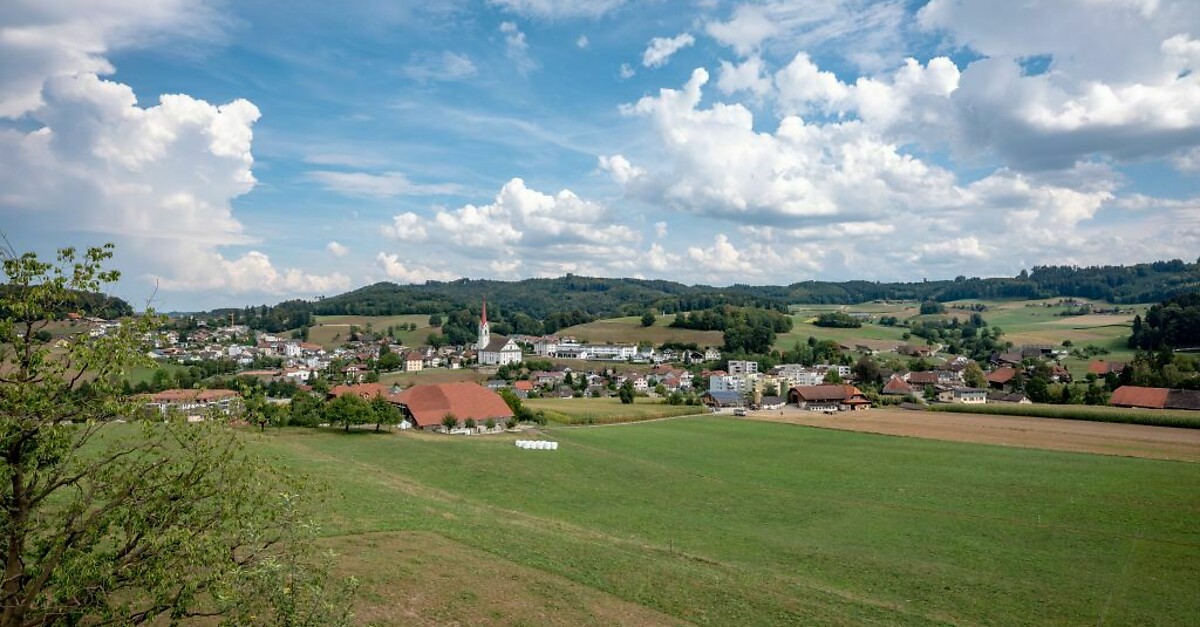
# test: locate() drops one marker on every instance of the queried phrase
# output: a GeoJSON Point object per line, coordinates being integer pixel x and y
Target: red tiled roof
{"type": "Point", "coordinates": [896, 385]}
{"type": "Point", "coordinates": [363, 390]}
{"type": "Point", "coordinates": [923, 378]}
{"type": "Point", "coordinates": [1001, 376]}
{"type": "Point", "coordinates": [526, 386]}
{"type": "Point", "coordinates": [1133, 396]}
{"type": "Point", "coordinates": [1101, 367]}
{"type": "Point", "coordinates": [428, 404]}
{"type": "Point", "coordinates": [810, 393]}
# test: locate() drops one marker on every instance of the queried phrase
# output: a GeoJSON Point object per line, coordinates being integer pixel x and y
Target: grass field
{"type": "Point", "coordinates": [630, 331]}
{"type": "Point", "coordinates": [606, 410]}
{"type": "Point", "coordinates": [333, 331]}
{"type": "Point", "coordinates": [722, 521]}
{"type": "Point", "coordinates": [433, 375]}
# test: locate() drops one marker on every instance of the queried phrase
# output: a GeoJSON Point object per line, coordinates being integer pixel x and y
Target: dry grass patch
{"type": "Point", "coordinates": [416, 578]}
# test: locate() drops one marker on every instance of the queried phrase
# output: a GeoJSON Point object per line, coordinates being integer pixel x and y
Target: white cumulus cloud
{"type": "Point", "coordinates": [660, 49]}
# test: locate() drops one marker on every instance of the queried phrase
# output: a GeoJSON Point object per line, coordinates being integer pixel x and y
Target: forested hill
{"type": "Point", "coordinates": [543, 299]}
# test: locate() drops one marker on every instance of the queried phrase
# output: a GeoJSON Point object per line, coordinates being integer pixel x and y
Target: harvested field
{"type": "Point", "coordinates": [1021, 431]}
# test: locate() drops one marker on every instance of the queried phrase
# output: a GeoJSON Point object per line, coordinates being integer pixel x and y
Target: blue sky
{"type": "Point", "coordinates": [248, 152]}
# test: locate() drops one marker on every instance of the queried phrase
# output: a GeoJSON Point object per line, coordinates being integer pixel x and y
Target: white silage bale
{"type": "Point", "coordinates": [554, 446]}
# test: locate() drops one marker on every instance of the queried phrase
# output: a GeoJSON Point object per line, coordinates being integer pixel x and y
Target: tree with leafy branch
{"type": "Point", "coordinates": [449, 421]}
{"type": "Point", "coordinates": [108, 523]}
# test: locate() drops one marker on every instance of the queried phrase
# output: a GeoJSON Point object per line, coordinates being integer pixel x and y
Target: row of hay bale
{"type": "Point", "coordinates": [543, 445]}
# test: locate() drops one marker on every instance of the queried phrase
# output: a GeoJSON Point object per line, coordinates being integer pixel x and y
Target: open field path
{"type": "Point", "coordinates": [1054, 434]}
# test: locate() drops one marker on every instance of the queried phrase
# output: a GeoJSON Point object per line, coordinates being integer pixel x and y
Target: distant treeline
{"type": "Point", "coordinates": [553, 303]}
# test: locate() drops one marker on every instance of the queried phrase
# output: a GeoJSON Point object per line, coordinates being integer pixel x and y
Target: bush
{"type": "Point", "coordinates": [470, 424]}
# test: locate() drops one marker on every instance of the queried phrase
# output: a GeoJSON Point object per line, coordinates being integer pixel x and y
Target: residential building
{"type": "Point", "coordinates": [743, 367]}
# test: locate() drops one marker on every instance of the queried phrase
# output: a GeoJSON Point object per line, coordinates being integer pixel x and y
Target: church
{"type": "Point", "coordinates": [498, 350]}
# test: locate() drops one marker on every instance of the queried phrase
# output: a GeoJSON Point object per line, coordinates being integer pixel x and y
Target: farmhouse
{"type": "Point", "coordinates": [828, 398]}
{"type": "Point", "coordinates": [427, 405]}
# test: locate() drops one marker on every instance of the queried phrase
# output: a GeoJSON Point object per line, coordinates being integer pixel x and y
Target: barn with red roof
{"type": "Point", "coordinates": [427, 405]}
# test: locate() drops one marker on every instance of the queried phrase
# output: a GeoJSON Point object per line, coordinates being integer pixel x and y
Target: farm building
{"type": "Point", "coordinates": [828, 398]}
{"type": "Point", "coordinates": [719, 399]}
{"type": "Point", "coordinates": [1155, 398]}
{"type": "Point", "coordinates": [427, 405]}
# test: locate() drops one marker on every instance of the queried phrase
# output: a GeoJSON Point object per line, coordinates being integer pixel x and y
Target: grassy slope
{"type": "Point", "coordinates": [333, 331]}
{"type": "Point", "coordinates": [719, 521]}
{"type": "Point", "coordinates": [630, 330]}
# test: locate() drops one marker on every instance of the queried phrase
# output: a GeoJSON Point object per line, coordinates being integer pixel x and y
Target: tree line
{"type": "Point", "coordinates": [537, 306]}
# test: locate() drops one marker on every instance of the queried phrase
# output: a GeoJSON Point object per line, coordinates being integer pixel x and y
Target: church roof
{"type": "Point", "coordinates": [497, 344]}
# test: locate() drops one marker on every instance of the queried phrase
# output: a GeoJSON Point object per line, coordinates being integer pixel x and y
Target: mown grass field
{"type": "Point", "coordinates": [721, 521]}
{"type": "Point", "coordinates": [432, 375]}
{"type": "Point", "coordinates": [630, 331]}
{"type": "Point", "coordinates": [606, 410]}
{"type": "Point", "coordinates": [333, 331]}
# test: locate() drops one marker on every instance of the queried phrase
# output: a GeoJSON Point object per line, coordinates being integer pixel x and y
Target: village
{"type": "Point", "coordinates": [561, 366]}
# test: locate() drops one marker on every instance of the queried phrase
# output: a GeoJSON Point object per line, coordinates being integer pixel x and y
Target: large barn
{"type": "Point", "coordinates": [828, 398]}
{"type": "Point", "coordinates": [427, 405]}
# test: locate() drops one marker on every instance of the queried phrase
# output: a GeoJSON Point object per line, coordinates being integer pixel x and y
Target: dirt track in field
{"type": "Point", "coordinates": [1021, 431]}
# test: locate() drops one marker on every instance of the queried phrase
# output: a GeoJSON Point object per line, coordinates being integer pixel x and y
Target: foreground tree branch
{"type": "Point", "coordinates": [107, 521]}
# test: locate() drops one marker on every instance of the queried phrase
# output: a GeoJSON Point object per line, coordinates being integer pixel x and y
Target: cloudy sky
{"type": "Point", "coordinates": [251, 151]}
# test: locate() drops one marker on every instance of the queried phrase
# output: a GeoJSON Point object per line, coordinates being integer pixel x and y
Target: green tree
{"type": "Point", "coordinates": [648, 319]}
{"type": "Point", "coordinates": [390, 361]}
{"type": "Point", "coordinates": [109, 523]}
{"type": "Point", "coordinates": [973, 376]}
{"type": "Point", "coordinates": [435, 320]}
{"type": "Point", "coordinates": [832, 376]}
{"type": "Point", "coordinates": [470, 423]}
{"type": "Point", "coordinates": [449, 421]}
{"type": "Point", "coordinates": [305, 410]}
{"type": "Point", "coordinates": [383, 412]}
{"type": "Point", "coordinates": [348, 410]}
{"type": "Point", "coordinates": [626, 393]}
{"type": "Point", "coordinates": [867, 370]}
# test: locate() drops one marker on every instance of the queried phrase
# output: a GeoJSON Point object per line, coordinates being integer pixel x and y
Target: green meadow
{"type": "Point", "coordinates": [606, 410]}
{"type": "Point", "coordinates": [718, 521]}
